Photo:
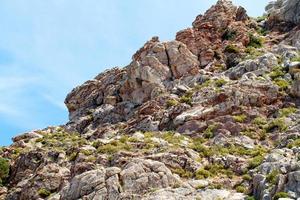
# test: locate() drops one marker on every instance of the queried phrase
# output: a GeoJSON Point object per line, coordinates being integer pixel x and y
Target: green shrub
{"type": "Point", "coordinates": [229, 35]}
{"type": "Point", "coordinates": [202, 174]}
{"type": "Point", "coordinates": [241, 189]}
{"type": "Point", "coordinates": [183, 173]}
{"type": "Point", "coordinates": [280, 195]}
{"type": "Point", "coordinates": [247, 177]}
{"type": "Point", "coordinates": [285, 112]}
{"type": "Point", "coordinates": [220, 82]}
{"type": "Point", "coordinates": [255, 162]}
{"type": "Point", "coordinates": [282, 84]}
{"type": "Point", "coordinates": [217, 186]}
{"type": "Point", "coordinates": [202, 150]}
{"type": "Point", "coordinates": [295, 59]}
{"type": "Point", "coordinates": [209, 132]}
{"type": "Point", "coordinates": [277, 72]}
{"type": "Point", "coordinates": [272, 177]}
{"type": "Point", "coordinates": [240, 118]}
{"type": "Point", "coordinates": [252, 53]}
{"type": "Point", "coordinates": [256, 42]}
{"type": "Point", "coordinates": [171, 103]}
{"type": "Point", "coordinates": [260, 121]}
{"type": "Point", "coordinates": [4, 169]}
{"type": "Point", "coordinates": [250, 198]}
{"type": "Point", "coordinates": [213, 170]}
{"type": "Point", "coordinates": [186, 99]}
{"type": "Point", "coordinates": [278, 123]}
{"type": "Point", "coordinates": [73, 156]}
{"type": "Point", "coordinates": [44, 193]}
{"type": "Point", "coordinates": [261, 18]}
{"type": "Point", "coordinates": [295, 143]}
{"type": "Point", "coordinates": [231, 49]}
{"type": "Point", "coordinates": [172, 139]}
{"type": "Point", "coordinates": [114, 147]}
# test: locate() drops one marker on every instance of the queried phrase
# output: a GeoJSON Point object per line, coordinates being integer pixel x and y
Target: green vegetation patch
{"type": "Point", "coordinates": [232, 49]}
{"type": "Point", "coordinates": [285, 112]}
{"type": "Point", "coordinates": [171, 103]}
{"type": "Point", "coordinates": [44, 193]}
{"type": "Point", "coordinates": [256, 42]}
{"type": "Point", "coordinates": [278, 123]}
{"type": "Point", "coordinates": [229, 34]}
{"type": "Point", "coordinates": [183, 173]}
{"type": "Point", "coordinates": [240, 118]}
{"type": "Point", "coordinates": [213, 170]}
{"type": "Point", "coordinates": [272, 177]}
{"type": "Point", "coordinates": [295, 143]}
{"type": "Point", "coordinates": [280, 195]}
{"type": "Point", "coordinates": [4, 170]}
{"type": "Point", "coordinates": [114, 147]}
{"type": "Point", "coordinates": [255, 162]}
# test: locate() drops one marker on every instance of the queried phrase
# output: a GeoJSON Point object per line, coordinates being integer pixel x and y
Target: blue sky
{"type": "Point", "coordinates": [49, 47]}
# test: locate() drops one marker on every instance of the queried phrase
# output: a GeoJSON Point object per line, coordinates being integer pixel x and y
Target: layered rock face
{"type": "Point", "coordinates": [213, 114]}
{"type": "Point", "coordinates": [284, 13]}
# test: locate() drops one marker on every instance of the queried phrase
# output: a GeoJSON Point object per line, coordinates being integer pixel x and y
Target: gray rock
{"type": "Point", "coordinates": [257, 66]}
{"type": "Point", "coordinates": [285, 10]}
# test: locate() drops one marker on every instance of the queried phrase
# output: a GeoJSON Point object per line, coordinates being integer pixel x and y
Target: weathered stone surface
{"type": "Point", "coordinates": [211, 113]}
{"type": "Point", "coordinates": [284, 11]}
{"type": "Point", "coordinates": [258, 66]}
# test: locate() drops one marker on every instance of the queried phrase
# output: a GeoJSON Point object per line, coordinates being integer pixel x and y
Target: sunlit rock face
{"type": "Point", "coordinates": [213, 114]}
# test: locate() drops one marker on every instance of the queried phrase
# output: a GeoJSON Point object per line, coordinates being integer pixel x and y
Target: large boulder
{"type": "Point", "coordinates": [283, 14]}
{"type": "Point", "coordinates": [154, 66]}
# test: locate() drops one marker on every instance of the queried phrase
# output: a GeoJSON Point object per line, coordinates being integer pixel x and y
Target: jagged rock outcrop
{"type": "Point", "coordinates": [283, 14]}
{"type": "Point", "coordinates": [211, 115]}
{"type": "Point", "coordinates": [212, 31]}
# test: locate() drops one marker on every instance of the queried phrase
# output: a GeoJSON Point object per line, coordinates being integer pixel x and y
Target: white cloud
{"type": "Point", "coordinates": [56, 102]}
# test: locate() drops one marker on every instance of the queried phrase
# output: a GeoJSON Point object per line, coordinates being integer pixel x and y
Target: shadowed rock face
{"type": "Point", "coordinates": [211, 115]}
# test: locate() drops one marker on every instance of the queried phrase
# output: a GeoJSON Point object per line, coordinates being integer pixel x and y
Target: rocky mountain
{"type": "Point", "coordinates": [213, 114]}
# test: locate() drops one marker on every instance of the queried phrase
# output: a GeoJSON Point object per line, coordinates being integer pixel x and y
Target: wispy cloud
{"type": "Point", "coordinates": [56, 102]}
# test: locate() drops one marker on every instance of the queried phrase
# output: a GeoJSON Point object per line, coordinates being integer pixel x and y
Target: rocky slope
{"type": "Point", "coordinates": [213, 114]}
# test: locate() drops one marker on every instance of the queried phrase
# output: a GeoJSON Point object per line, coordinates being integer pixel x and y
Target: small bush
{"type": "Point", "coordinates": [277, 72]}
{"type": "Point", "coordinates": [260, 121]}
{"type": "Point", "coordinates": [217, 186]}
{"type": "Point", "coordinates": [183, 173]}
{"type": "Point", "coordinates": [295, 143]}
{"type": "Point", "coordinates": [229, 35]}
{"type": "Point", "coordinates": [272, 177]}
{"type": "Point", "coordinates": [4, 169]}
{"type": "Point", "coordinates": [278, 123]}
{"type": "Point", "coordinates": [261, 18]}
{"type": "Point", "coordinates": [282, 84]}
{"type": "Point", "coordinates": [43, 192]}
{"type": "Point", "coordinates": [231, 49]}
{"type": "Point", "coordinates": [202, 174]}
{"type": "Point", "coordinates": [171, 138]}
{"type": "Point", "coordinates": [285, 112]}
{"type": "Point", "coordinates": [209, 132]}
{"type": "Point", "coordinates": [280, 195]}
{"type": "Point", "coordinates": [255, 162]}
{"type": "Point", "coordinates": [256, 42]}
{"type": "Point", "coordinates": [240, 118]}
{"type": "Point", "coordinates": [202, 150]}
{"type": "Point", "coordinates": [186, 99]}
{"type": "Point", "coordinates": [247, 177]}
{"type": "Point", "coordinates": [250, 198]}
{"type": "Point", "coordinates": [114, 147]}
{"type": "Point", "coordinates": [241, 189]}
{"type": "Point", "coordinates": [220, 82]}
{"type": "Point", "coordinates": [295, 59]}
{"type": "Point", "coordinates": [171, 103]}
